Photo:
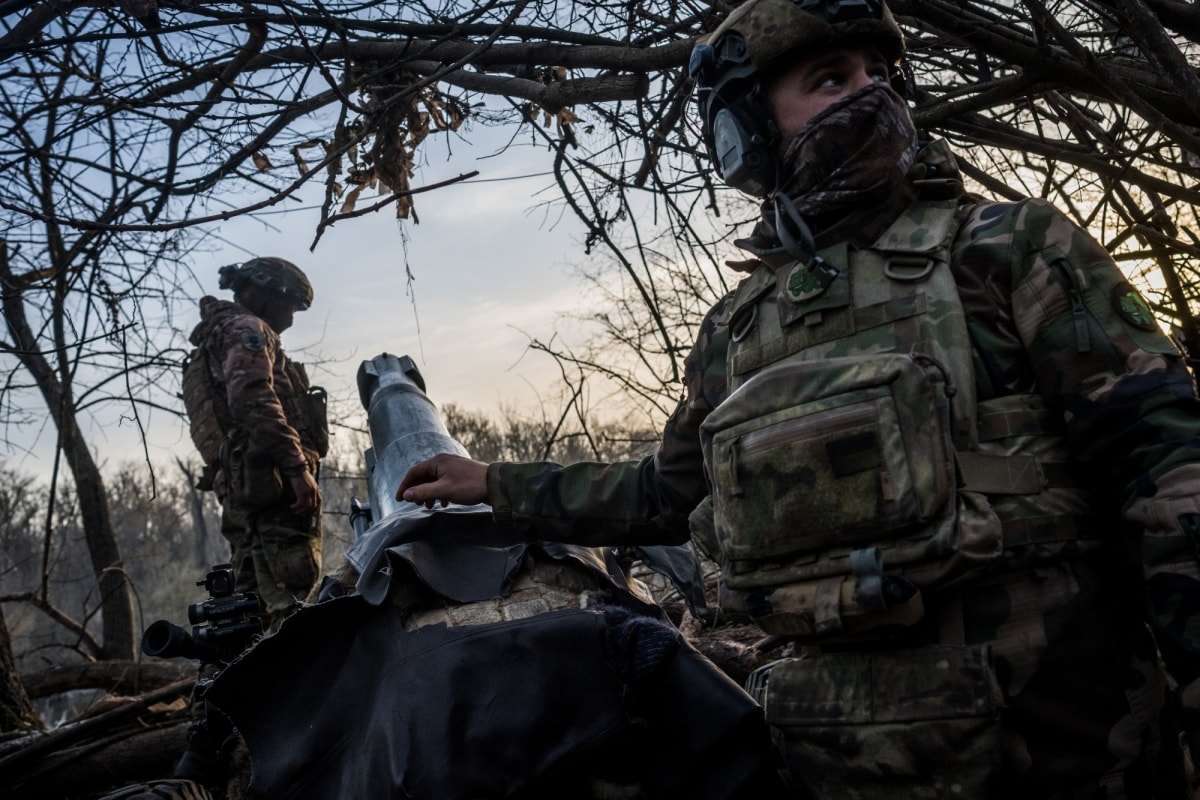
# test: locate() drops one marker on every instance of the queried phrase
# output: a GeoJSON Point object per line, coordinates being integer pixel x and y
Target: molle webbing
{"type": "Point", "coordinates": [1015, 418]}
{"type": "Point", "coordinates": [824, 326]}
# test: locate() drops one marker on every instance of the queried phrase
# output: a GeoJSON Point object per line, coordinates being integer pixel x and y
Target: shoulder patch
{"type": "Point", "coordinates": [1132, 307]}
{"type": "Point", "coordinates": [254, 341]}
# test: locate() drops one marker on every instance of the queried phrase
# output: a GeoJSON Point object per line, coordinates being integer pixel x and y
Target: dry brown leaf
{"type": "Point", "coordinates": [351, 199]}
{"type": "Point", "coordinates": [305, 146]}
{"type": "Point", "coordinates": [178, 704]}
{"type": "Point", "coordinates": [435, 114]}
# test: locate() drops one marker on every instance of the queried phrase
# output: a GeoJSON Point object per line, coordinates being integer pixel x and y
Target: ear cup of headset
{"type": "Point", "coordinates": [742, 152]}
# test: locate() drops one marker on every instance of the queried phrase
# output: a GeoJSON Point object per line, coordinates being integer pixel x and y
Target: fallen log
{"type": "Point", "coordinates": [114, 677]}
{"type": "Point", "coordinates": [122, 756]}
{"type": "Point", "coordinates": [17, 767]}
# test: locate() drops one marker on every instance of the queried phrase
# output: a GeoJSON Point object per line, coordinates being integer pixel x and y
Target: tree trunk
{"type": "Point", "coordinates": [116, 601]}
{"type": "Point", "coordinates": [196, 504]}
{"type": "Point", "coordinates": [116, 598]}
{"type": "Point", "coordinates": [16, 712]}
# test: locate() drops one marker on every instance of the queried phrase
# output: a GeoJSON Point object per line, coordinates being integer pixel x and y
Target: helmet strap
{"type": "Point", "coordinates": [793, 232]}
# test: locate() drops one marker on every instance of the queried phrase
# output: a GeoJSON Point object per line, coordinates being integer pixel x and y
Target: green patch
{"type": "Point", "coordinates": [1132, 307]}
{"type": "Point", "coordinates": [807, 281]}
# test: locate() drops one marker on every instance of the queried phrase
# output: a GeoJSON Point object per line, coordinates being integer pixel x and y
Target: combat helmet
{"type": "Point", "coordinates": [732, 66]}
{"type": "Point", "coordinates": [276, 275]}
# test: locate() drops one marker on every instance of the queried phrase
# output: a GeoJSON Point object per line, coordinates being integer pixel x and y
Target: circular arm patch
{"type": "Point", "coordinates": [1132, 307]}
{"type": "Point", "coordinates": [254, 341]}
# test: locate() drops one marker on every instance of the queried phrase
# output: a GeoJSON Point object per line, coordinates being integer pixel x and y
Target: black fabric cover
{"type": "Point", "coordinates": [461, 554]}
{"type": "Point", "coordinates": [463, 573]}
{"type": "Point", "coordinates": [344, 703]}
{"type": "Point", "coordinates": [443, 547]}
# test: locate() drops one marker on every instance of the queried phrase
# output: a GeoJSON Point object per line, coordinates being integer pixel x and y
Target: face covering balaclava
{"type": "Point", "coordinates": [851, 155]}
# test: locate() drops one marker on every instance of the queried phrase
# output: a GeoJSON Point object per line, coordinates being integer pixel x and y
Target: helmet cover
{"type": "Point", "coordinates": [776, 28]}
{"type": "Point", "coordinates": [276, 275]}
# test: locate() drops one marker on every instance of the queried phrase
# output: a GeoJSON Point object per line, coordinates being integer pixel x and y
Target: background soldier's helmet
{"type": "Point", "coordinates": [731, 66]}
{"type": "Point", "coordinates": [273, 274]}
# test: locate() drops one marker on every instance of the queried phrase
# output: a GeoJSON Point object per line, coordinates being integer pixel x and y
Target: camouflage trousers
{"type": "Point", "coordinates": [1042, 684]}
{"type": "Point", "coordinates": [274, 553]}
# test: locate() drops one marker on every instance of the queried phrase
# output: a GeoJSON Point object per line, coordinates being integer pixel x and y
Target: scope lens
{"type": "Point", "coordinates": [220, 583]}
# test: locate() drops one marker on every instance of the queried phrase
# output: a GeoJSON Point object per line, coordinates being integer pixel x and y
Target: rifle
{"type": "Point", "coordinates": [223, 625]}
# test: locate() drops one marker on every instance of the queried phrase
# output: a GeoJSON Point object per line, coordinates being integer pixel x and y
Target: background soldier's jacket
{"type": "Point", "coordinates": [259, 383]}
{"type": "Point", "coordinates": [1049, 313]}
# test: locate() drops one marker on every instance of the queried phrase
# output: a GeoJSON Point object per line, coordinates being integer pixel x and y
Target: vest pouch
{"type": "Point", "coordinates": [920, 722]}
{"type": "Point", "coordinates": [204, 409]}
{"type": "Point", "coordinates": [837, 453]}
{"type": "Point", "coordinates": [318, 419]}
{"type": "Point", "coordinates": [306, 408]}
{"type": "Point", "coordinates": [251, 477]}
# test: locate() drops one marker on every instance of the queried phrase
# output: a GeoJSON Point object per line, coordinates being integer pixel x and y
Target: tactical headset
{"type": "Point", "coordinates": [739, 129]}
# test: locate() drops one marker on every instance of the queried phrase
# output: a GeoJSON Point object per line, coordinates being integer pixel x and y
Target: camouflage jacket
{"type": "Point", "coordinates": [258, 381]}
{"type": "Point", "coordinates": [1048, 312]}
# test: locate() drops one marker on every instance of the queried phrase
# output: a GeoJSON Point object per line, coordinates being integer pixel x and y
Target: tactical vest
{"type": "Point", "coordinates": [210, 421]}
{"type": "Point", "coordinates": [852, 470]}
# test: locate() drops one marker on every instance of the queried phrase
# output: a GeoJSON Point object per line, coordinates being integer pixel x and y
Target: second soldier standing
{"type": "Point", "coordinates": [261, 429]}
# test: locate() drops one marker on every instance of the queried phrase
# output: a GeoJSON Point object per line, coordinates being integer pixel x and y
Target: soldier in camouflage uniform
{"type": "Point", "coordinates": [937, 441]}
{"type": "Point", "coordinates": [261, 430]}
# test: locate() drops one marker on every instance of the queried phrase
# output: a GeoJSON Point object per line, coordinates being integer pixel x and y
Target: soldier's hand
{"type": "Point", "coordinates": [445, 479]}
{"type": "Point", "coordinates": [308, 493]}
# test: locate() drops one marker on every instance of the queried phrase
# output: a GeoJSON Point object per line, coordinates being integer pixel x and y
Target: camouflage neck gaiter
{"type": "Point", "coordinates": [851, 155]}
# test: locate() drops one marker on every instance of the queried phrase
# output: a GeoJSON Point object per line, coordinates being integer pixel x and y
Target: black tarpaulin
{"type": "Point", "coordinates": [344, 703]}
